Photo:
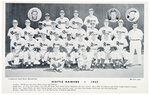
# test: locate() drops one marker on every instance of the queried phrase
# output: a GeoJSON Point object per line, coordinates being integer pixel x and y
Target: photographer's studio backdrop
{"type": "Point", "coordinates": [20, 12]}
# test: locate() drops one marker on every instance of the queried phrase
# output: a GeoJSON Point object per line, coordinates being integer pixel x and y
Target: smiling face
{"type": "Point", "coordinates": [62, 14]}
{"type": "Point", "coordinates": [75, 14]}
{"type": "Point", "coordinates": [91, 12]}
{"type": "Point", "coordinates": [47, 18]}
{"type": "Point", "coordinates": [113, 15]}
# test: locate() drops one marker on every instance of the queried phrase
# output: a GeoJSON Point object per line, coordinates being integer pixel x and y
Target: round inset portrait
{"type": "Point", "coordinates": [132, 15]}
{"type": "Point", "coordinates": [34, 14]}
{"type": "Point", "coordinates": [113, 15]}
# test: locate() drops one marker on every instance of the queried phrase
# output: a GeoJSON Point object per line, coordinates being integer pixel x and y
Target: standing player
{"type": "Point", "coordinates": [106, 30]}
{"type": "Point", "coordinates": [75, 20]}
{"type": "Point", "coordinates": [135, 37]}
{"type": "Point", "coordinates": [121, 29]}
{"type": "Point", "coordinates": [13, 30]}
{"type": "Point", "coordinates": [39, 30]}
{"type": "Point", "coordinates": [47, 23]}
{"type": "Point", "coordinates": [91, 19]}
{"type": "Point", "coordinates": [27, 30]}
{"type": "Point", "coordinates": [62, 20]}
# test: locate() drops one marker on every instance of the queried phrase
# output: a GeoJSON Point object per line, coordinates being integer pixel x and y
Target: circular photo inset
{"type": "Point", "coordinates": [34, 14]}
{"type": "Point", "coordinates": [113, 15]}
{"type": "Point", "coordinates": [132, 15]}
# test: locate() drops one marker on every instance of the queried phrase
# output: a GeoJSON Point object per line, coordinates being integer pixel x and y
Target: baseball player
{"type": "Point", "coordinates": [54, 31]}
{"type": "Point", "coordinates": [27, 30]}
{"type": "Point", "coordinates": [121, 29]}
{"type": "Point", "coordinates": [120, 43]}
{"type": "Point", "coordinates": [39, 30]}
{"type": "Point", "coordinates": [44, 43]}
{"type": "Point", "coordinates": [13, 30]}
{"type": "Point", "coordinates": [115, 57]}
{"type": "Point", "coordinates": [100, 57]}
{"type": "Point", "coordinates": [135, 37]}
{"type": "Point", "coordinates": [85, 58]}
{"type": "Point", "coordinates": [75, 20]}
{"type": "Point", "coordinates": [57, 59]}
{"type": "Point", "coordinates": [17, 44]}
{"type": "Point", "coordinates": [48, 56]}
{"type": "Point", "coordinates": [91, 19]}
{"type": "Point", "coordinates": [47, 23]}
{"type": "Point", "coordinates": [106, 30]}
{"type": "Point", "coordinates": [62, 20]}
{"type": "Point", "coordinates": [29, 54]}
{"type": "Point", "coordinates": [106, 43]}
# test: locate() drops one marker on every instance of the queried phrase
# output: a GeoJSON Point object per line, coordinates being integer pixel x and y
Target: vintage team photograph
{"type": "Point", "coordinates": [74, 40]}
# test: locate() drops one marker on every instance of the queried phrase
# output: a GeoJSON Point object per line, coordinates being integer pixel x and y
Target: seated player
{"type": "Point", "coordinates": [85, 59]}
{"type": "Point", "coordinates": [121, 44]}
{"type": "Point", "coordinates": [29, 54]}
{"type": "Point", "coordinates": [115, 57]}
{"type": "Point", "coordinates": [17, 44]}
{"type": "Point", "coordinates": [57, 59]}
{"type": "Point", "coordinates": [48, 56]}
{"type": "Point", "coordinates": [44, 43]}
{"type": "Point", "coordinates": [100, 57]}
{"type": "Point", "coordinates": [14, 59]}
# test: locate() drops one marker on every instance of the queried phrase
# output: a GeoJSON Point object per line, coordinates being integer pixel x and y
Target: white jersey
{"type": "Point", "coordinates": [122, 30]}
{"type": "Point", "coordinates": [13, 30]}
{"type": "Point", "coordinates": [135, 34]}
{"type": "Point", "coordinates": [94, 44]}
{"type": "Point", "coordinates": [120, 43]}
{"type": "Point", "coordinates": [74, 22]}
{"type": "Point", "coordinates": [116, 55]}
{"type": "Point", "coordinates": [48, 56]}
{"type": "Point", "coordinates": [44, 44]}
{"type": "Point", "coordinates": [80, 32]}
{"type": "Point", "coordinates": [26, 31]}
{"type": "Point", "coordinates": [90, 19]}
{"type": "Point", "coordinates": [17, 44]}
{"type": "Point", "coordinates": [47, 23]}
{"type": "Point", "coordinates": [58, 56]}
{"type": "Point", "coordinates": [55, 31]}
{"type": "Point", "coordinates": [106, 44]}
{"type": "Point", "coordinates": [94, 31]}
{"type": "Point", "coordinates": [69, 45]}
{"type": "Point", "coordinates": [62, 22]}
{"type": "Point", "coordinates": [106, 30]}
{"type": "Point", "coordinates": [31, 44]}
{"type": "Point", "coordinates": [66, 32]}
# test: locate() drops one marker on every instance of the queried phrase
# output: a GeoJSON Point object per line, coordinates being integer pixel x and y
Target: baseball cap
{"type": "Point", "coordinates": [75, 11]}
{"type": "Point", "coordinates": [15, 21]}
{"type": "Point", "coordinates": [62, 11]}
{"type": "Point", "coordinates": [40, 22]}
{"type": "Point", "coordinates": [28, 21]}
{"type": "Point", "coordinates": [120, 21]}
{"type": "Point", "coordinates": [106, 20]}
{"type": "Point", "coordinates": [47, 14]}
{"type": "Point", "coordinates": [91, 9]}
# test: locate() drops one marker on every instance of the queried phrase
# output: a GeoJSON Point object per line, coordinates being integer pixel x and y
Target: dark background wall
{"type": "Point", "coordinates": [19, 11]}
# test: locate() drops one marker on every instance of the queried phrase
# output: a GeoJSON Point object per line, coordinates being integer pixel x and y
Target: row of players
{"type": "Point", "coordinates": [83, 51]}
